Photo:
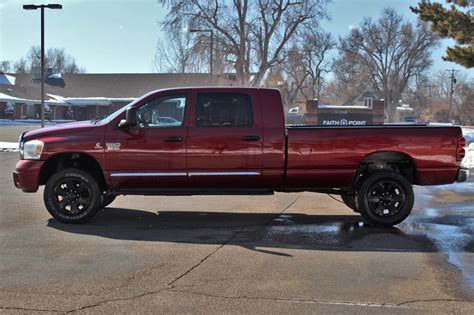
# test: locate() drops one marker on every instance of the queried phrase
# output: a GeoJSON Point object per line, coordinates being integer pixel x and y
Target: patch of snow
{"type": "Point", "coordinates": [9, 147]}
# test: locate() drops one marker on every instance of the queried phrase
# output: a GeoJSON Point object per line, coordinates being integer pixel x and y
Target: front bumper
{"type": "Point", "coordinates": [463, 174]}
{"type": "Point", "coordinates": [26, 175]}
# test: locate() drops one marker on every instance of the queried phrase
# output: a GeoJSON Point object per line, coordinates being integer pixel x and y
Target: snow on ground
{"type": "Point", "coordinates": [9, 146]}
{"type": "Point", "coordinates": [468, 134]}
{"type": "Point", "coordinates": [19, 122]}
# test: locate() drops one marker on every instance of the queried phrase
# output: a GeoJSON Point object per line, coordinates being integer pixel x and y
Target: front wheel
{"type": "Point", "coordinates": [72, 196]}
{"type": "Point", "coordinates": [385, 198]}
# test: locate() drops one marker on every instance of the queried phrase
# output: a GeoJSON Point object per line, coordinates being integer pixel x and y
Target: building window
{"type": "Point", "coordinates": [368, 102]}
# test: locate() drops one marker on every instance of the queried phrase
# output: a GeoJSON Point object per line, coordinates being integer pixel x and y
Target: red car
{"type": "Point", "coordinates": [190, 141]}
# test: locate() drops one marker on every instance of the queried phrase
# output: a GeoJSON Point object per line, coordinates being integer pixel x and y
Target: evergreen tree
{"type": "Point", "coordinates": [455, 22]}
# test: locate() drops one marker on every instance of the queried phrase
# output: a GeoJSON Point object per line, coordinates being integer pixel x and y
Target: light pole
{"type": "Point", "coordinates": [34, 7]}
{"type": "Point", "coordinates": [212, 45]}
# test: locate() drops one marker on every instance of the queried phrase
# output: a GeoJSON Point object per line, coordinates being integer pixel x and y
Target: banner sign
{"type": "Point", "coordinates": [346, 119]}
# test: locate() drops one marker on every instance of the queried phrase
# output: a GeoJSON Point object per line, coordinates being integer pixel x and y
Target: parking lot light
{"type": "Point", "coordinates": [35, 7]}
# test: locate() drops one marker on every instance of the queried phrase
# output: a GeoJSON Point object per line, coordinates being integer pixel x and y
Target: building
{"type": "Point", "coordinates": [85, 96]}
{"type": "Point", "coordinates": [344, 115]}
{"type": "Point", "coordinates": [366, 99]}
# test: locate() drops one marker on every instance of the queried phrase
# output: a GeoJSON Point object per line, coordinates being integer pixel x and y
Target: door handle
{"type": "Point", "coordinates": [250, 138]}
{"type": "Point", "coordinates": [173, 139]}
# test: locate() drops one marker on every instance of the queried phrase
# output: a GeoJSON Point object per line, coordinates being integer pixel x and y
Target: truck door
{"type": "Point", "coordinates": [152, 154]}
{"type": "Point", "coordinates": [224, 147]}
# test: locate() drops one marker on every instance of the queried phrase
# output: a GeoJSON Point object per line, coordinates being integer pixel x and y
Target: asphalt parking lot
{"type": "Point", "coordinates": [284, 253]}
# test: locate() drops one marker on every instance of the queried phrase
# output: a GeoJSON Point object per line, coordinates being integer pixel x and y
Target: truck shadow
{"type": "Point", "coordinates": [262, 232]}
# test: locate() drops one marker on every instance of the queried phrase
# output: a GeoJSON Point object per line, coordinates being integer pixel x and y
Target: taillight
{"type": "Point", "coordinates": [460, 152]}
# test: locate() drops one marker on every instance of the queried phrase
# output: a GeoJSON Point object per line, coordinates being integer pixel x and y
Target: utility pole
{"type": "Point", "coordinates": [451, 92]}
{"type": "Point", "coordinates": [430, 86]}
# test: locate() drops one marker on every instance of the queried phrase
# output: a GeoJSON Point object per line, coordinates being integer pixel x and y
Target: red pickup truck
{"type": "Point", "coordinates": [211, 140]}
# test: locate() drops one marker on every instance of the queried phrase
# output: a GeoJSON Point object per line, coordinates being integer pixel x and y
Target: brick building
{"type": "Point", "coordinates": [86, 96]}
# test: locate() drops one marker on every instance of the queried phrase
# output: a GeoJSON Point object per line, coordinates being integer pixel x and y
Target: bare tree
{"type": "Point", "coordinates": [462, 91]}
{"type": "Point", "coordinates": [296, 73]}
{"type": "Point", "coordinates": [6, 66]}
{"type": "Point", "coordinates": [306, 61]}
{"type": "Point", "coordinates": [390, 52]}
{"type": "Point", "coordinates": [351, 78]}
{"type": "Point", "coordinates": [252, 34]}
{"type": "Point", "coordinates": [315, 50]}
{"type": "Point", "coordinates": [55, 58]}
{"type": "Point", "coordinates": [179, 53]}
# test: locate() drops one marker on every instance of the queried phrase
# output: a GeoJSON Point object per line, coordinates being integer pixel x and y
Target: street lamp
{"type": "Point", "coordinates": [212, 44]}
{"type": "Point", "coordinates": [42, 7]}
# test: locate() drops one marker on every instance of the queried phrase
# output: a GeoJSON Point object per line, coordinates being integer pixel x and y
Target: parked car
{"type": "Point", "coordinates": [232, 141]}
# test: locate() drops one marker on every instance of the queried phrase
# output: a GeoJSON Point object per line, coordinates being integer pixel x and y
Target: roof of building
{"type": "Point", "coordinates": [366, 94]}
{"type": "Point", "coordinates": [109, 85]}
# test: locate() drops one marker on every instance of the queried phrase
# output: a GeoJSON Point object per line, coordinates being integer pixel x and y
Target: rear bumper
{"type": "Point", "coordinates": [26, 175]}
{"type": "Point", "coordinates": [463, 174]}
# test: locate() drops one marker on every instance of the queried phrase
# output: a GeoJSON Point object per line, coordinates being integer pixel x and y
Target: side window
{"type": "Point", "coordinates": [368, 102]}
{"type": "Point", "coordinates": [223, 110]}
{"type": "Point", "coordinates": [162, 112]}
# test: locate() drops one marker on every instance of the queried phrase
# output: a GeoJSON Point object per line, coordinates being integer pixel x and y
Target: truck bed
{"type": "Point", "coordinates": [328, 156]}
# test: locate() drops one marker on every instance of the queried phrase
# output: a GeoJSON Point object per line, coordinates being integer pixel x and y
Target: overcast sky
{"type": "Point", "coordinates": [119, 36]}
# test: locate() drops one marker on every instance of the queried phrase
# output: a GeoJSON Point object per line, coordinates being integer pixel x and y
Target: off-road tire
{"type": "Point", "coordinates": [76, 189]}
{"type": "Point", "coordinates": [385, 198]}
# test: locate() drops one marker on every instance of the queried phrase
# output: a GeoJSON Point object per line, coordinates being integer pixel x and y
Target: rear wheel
{"type": "Point", "coordinates": [72, 196]}
{"type": "Point", "coordinates": [385, 198]}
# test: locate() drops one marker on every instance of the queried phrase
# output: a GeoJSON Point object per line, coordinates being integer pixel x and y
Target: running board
{"type": "Point", "coordinates": [188, 192]}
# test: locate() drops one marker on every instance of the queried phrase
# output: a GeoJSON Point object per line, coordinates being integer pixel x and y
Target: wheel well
{"type": "Point", "coordinates": [75, 160]}
{"type": "Point", "coordinates": [398, 162]}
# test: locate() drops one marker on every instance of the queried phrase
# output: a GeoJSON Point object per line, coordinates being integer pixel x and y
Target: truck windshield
{"type": "Point", "coordinates": [109, 118]}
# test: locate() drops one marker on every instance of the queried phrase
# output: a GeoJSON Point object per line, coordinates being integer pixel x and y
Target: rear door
{"type": "Point", "coordinates": [225, 140]}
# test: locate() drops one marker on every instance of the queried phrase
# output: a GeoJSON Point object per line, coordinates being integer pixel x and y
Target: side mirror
{"type": "Point", "coordinates": [130, 118]}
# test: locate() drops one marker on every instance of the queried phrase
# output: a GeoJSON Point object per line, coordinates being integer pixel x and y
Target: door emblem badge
{"type": "Point", "coordinates": [113, 146]}
{"type": "Point", "coordinates": [98, 146]}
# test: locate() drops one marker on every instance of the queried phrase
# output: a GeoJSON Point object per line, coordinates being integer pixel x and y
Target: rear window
{"type": "Point", "coordinates": [223, 110]}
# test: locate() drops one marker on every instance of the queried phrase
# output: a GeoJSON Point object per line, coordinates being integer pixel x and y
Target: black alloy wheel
{"type": "Point", "coordinates": [385, 198]}
{"type": "Point", "coordinates": [72, 196]}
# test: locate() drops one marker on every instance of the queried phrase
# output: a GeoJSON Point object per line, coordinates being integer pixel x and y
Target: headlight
{"type": "Point", "coordinates": [32, 150]}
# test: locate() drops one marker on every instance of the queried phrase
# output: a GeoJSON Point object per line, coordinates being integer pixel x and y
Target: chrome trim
{"type": "Point", "coordinates": [147, 174]}
{"type": "Point", "coordinates": [223, 173]}
{"type": "Point", "coordinates": [185, 174]}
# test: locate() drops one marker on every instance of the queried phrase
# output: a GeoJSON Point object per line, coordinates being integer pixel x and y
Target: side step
{"type": "Point", "coordinates": [188, 191]}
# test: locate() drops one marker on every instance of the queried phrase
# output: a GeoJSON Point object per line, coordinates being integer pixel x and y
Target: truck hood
{"type": "Point", "coordinates": [79, 126]}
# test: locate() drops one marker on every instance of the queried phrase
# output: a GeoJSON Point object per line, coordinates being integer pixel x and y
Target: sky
{"type": "Point", "coordinates": [120, 36]}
